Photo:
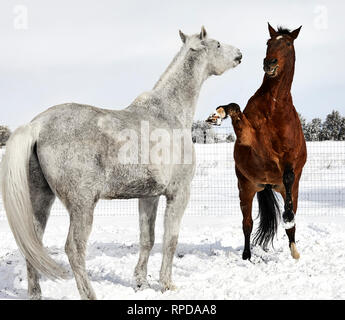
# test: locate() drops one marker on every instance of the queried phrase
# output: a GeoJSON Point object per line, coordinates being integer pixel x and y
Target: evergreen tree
{"type": "Point", "coordinates": [332, 127]}
{"type": "Point", "coordinates": [313, 130]}
{"type": "Point", "coordinates": [342, 130]}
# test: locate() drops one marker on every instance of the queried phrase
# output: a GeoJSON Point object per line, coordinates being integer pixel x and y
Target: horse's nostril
{"type": "Point", "coordinates": [239, 57]}
{"type": "Point", "coordinates": [270, 63]}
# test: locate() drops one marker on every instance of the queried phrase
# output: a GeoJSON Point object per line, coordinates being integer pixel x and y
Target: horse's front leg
{"type": "Point", "coordinates": [247, 192]}
{"type": "Point", "coordinates": [242, 127]}
{"type": "Point", "coordinates": [288, 181]}
{"type": "Point", "coordinates": [147, 218]}
{"type": "Point", "coordinates": [176, 205]}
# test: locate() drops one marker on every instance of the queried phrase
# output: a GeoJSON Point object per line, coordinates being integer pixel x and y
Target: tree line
{"type": "Point", "coordinates": [333, 128]}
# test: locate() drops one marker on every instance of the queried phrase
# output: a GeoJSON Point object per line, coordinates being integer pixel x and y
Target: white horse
{"type": "Point", "coordinates": [72, 151]}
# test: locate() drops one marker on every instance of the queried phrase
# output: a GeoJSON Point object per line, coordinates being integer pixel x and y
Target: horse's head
{"type": "Point", "coordinates": [280, 53]}
{"type": "Point", "coordinates": [217, 117]}
{"type": "Point", "coordinates": [219, 56]}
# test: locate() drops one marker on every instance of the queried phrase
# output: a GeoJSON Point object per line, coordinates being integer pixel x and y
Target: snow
{"type": "Point", "coordinates": [208, 263]}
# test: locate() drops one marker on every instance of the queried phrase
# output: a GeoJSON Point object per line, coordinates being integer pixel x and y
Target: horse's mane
{"type": "Point", "coordinates": [282, 30]}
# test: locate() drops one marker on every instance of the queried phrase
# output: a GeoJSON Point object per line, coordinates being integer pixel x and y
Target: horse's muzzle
{"type": "Point", "coordinates": [213, 120]}
{"type": "Point", "coordinates": [238, 59]}
{"type": "Point", "coordinates": [271, 67]}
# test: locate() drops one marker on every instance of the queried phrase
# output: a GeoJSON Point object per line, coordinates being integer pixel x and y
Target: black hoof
{"type": "Point", "coordinates": [234, 108]}
{"type": "Point", "coordinates": [246, 255]}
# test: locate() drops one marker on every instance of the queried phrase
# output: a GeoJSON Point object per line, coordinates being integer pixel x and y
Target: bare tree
{"type": "Point", "coordinates": [4, 135]}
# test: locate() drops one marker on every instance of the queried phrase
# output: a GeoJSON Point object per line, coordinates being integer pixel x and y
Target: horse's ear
{"type": "Point", "coordinates": [294, 34]}
{"type": "Point", "coordinates": [183, 36]}
{"type": "Point", "coordinates": [271, 30]}
{"type": "Point", "coordinates": [203, 33]}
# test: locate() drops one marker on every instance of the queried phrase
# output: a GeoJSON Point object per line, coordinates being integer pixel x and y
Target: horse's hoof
{"type": "Point", "coordinates": [234, 108]}
{"type": "Point", "coordinates": [88, 296]}
{"type": "Point", "coordinates": [140, 282]}
{"type": "Point", "coordinates": [294, 252]}
{"type": "Point", "coordinates": [167, 287]}
{"type": "Point", "coordinates": [142, 286]}
{"type": "Point", "coordinates": [35, 293]}
{"type": "Point", "coordinates": [35, 297]}
{"type": "Point", "coordinates": [246, 255]}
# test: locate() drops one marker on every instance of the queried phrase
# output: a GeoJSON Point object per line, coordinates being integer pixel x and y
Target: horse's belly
{"type": "Point", "coordinates": [135, 181]}
{"type": "Point", "coordinates": [133, 189]}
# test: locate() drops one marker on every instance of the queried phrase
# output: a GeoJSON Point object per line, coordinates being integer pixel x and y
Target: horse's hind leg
{"type": "Point", "coordinates": [81, 217]}
{"type": "Point", "coordinates": [42, 199]}
{"type": "Point", "coordinates": [291, 232]}
{"type": "Point", "coordinates": [147, 218]}
{"type": "Point", "coordinates": [290, 196]}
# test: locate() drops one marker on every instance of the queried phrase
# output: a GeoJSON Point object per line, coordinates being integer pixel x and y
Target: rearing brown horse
{"type": "Point", "coordinates": [270, 149]}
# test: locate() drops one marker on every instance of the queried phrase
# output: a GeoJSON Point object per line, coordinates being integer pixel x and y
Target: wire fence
{"type": "Point", "coordinates": [214, 187]}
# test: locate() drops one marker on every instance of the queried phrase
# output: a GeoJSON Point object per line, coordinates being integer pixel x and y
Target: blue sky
{"type": "Point", "coordinates": [105, 53]}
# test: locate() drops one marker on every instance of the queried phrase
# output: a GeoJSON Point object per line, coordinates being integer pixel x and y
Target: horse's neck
{"type": "Point", "coordinates": [277, 92]}
{"type": "Point", "coordinates": [179, 86]}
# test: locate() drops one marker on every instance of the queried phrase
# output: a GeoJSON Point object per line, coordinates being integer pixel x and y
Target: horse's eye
{"type": "Point", "coordinates": [289, 44]}
{"type": "Point", "coordinates": [218, 46]}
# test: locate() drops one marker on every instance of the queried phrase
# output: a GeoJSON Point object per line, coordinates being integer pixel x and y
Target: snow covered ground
{"type": "Point", "coordinates": [208, 262]}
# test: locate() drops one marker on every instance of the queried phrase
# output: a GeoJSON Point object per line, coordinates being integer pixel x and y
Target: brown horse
{"type": "Point", "coordinates": [270, 149]}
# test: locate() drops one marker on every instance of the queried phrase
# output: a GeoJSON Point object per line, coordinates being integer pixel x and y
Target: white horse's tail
{"type": "Point", "coordinates": [17, 202]}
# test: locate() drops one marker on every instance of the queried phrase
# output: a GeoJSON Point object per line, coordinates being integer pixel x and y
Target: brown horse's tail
{"type": "Point", "coordinates": [269, 214]}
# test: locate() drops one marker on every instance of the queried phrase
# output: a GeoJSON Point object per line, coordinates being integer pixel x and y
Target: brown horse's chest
{"type": "Point", "coordinates": [259, 165]}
